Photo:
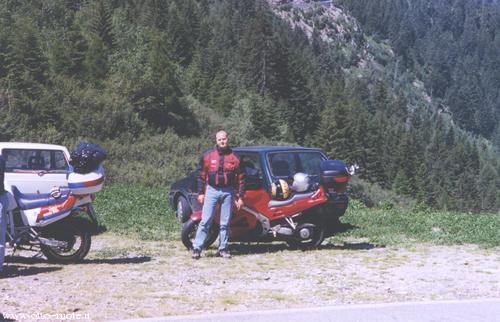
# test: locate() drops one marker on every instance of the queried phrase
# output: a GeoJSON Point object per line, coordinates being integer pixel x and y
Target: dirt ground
{"type": "Point", "coordinates": [123, 278]}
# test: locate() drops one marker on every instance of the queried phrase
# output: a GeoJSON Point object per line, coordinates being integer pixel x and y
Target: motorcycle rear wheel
{"type": "Point", "coordinates": [77, 238]}
{"type": "Point", "coordinates": [188, 234]}
{"type": "Point", "coordinates": [314, 242]}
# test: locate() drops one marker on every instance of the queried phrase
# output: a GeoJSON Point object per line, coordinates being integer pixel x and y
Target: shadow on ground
{"type": "Point", "coordinates": [10, 270]}
{"type": "Point", "coordinates": [253, 248]}
{"type": "Point", "coordinates": [341, 228]}
{"type": "Point", "coordinates": [248, 248]}
{"type": "Point", "coordinates": [117, 261]}
{"type": "Point", "coordinates": [350, 246]}
{"type": "Point", "coordinates": [109, 261]}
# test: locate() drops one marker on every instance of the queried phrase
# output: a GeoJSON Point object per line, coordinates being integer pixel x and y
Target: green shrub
{"type": "Point", "coordinates": [372, 195]}
{"type": "Point", "coordinates": [156, 160]}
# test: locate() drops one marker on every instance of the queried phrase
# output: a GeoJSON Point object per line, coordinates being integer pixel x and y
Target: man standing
{"type": "Point", "coordinates": [3, 216]}
{"type": "Point", "coordinates": [219, 181]}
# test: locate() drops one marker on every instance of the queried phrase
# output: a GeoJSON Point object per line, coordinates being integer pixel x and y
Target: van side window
{"type": "Point", "coordinates": [250, 163]}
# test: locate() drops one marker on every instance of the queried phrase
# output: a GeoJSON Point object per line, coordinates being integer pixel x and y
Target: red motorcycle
{"type": "Point", "coordinates": [297, 208]}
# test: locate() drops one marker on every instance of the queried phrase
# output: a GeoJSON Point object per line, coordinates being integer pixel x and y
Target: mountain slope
{"type": "Point", "coordinates": [152, 80]}
{"type": "Point", "coordinates": [453, 46]}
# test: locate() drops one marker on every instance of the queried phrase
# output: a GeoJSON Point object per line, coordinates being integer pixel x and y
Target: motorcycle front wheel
{"type": "Point", "coordinates": [74, 234]}
{"type": "Point", "coordinates": [188, 234]}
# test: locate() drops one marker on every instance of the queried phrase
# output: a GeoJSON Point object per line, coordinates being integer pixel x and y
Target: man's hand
{"type": "Point", "coordinates": [201, 199]}
{"type": "Point", "coordinates": [239, 203]}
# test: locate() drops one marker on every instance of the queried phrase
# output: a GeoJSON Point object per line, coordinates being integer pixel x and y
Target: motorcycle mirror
{"type": "Point", "coordinates": [352, 169]}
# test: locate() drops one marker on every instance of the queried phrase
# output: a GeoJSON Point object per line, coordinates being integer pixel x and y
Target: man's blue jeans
{"type": "Point", "coordinates": [214, 195]}
{"type": "Point", "coordinates": [3, 226]}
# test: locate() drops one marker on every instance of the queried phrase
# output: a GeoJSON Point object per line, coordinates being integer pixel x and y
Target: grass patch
{"type": "Point", "coordinates": [144, 213]}
{"type": "Point", "coordinates": [137, 211]}
{"type": "Point", "coordinates": [396, 226]}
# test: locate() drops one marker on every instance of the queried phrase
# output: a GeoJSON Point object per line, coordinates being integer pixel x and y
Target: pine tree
{"type": "Point", "coordinates": [422, 185]}
{"type": "Point", "coordinates": [26, 74]}
{"type": "Point", "coordinates": [77, 49]}
{"type": "Point", "coordinates": [96, 61]}
{"type": "Point", "coordinates": [182, 29]}
{"type": "Point", "coordinates": [333, 134]}
{"type": "Point", "coordinates": [406, 159]}
{"type": "Point", "coordinates": [301, 112]}
{"type": "Point", "coordinates": [25, 63]}
{"type": "Point", "coordinates": [401, 184]}
{"type": "Point", "coordinates": [265, 117]}
{"type": "Point", "coordinates": [100, 25]}
{"type": "Point", "coordinates": [380, 98]}
{"type": "Point", "coordinates": [488, 188]}
{"type": "Point", "coordinates": [256, 50]}
{"type": "Point", "coordinates": [373, 160]}
{"type": "Point", "coordinates": [221, 94]}
{"type": "Point", "coordinates": [398, 109]}
{"type": "Point", "coordinates": [153, 13]}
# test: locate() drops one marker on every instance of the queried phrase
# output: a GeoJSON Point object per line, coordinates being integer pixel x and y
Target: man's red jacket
{"type": "Point", "coordinates": [221, 168]}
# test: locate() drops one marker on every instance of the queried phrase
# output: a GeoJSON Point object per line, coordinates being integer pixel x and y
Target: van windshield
{"type": "Point", "coordinates": [18, 160]}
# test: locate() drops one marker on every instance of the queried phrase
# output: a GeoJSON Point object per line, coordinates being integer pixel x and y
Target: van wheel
{"type": "Point", "coordinates": [183, 209]}
{"type": "Point", "coordinates": [188, 234]}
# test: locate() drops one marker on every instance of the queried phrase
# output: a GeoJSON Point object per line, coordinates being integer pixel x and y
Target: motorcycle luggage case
{"type": "Point", "coordinates": [334, 174]}
{"type": "Point", "coordinates": [84, 184]}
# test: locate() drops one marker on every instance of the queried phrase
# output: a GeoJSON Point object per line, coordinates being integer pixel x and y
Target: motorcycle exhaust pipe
{"type": "Point", "coordinates": [280, 230]}
{"type": "Point", "coordinates": [52, 242]}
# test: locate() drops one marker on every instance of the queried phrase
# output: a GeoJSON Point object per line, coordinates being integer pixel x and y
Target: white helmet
{"type": "Point", "coordinates": [300, 182]}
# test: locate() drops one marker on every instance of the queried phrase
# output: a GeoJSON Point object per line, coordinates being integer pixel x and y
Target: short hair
{"type": "Point", "coordinates": [218, 131]}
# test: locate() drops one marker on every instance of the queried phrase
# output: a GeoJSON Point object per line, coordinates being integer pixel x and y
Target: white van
{"type": "Point", "coordinates": [35, 167]}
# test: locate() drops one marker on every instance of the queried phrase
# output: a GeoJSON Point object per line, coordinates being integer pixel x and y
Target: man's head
{"type": "Point", "coordinates": [221, 139]}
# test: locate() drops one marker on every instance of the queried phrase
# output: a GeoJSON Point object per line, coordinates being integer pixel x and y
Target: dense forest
{"type": "Point", "coordinates": [453, 46]}
{"type": "Point", "coordinates": [151, 80]}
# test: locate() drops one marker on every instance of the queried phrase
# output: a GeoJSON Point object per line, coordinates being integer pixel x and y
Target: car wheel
{"type": "Point", "coordinates": [183, 209]}
{"type": "Point", "coordinates": [188, 234]}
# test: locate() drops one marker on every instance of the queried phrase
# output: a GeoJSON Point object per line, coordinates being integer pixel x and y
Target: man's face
{"type": "Point", "coordinates": [221, 139]}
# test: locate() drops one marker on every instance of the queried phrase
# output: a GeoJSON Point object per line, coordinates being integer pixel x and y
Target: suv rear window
{"type": "Point", "coordinates": [286, 164]}
{"type": "Point", "coordinates": [32, 160]}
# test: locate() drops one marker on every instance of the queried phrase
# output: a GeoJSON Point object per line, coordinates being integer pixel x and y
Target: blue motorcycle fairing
{"type": "Point", "coordinates": [33, 200]}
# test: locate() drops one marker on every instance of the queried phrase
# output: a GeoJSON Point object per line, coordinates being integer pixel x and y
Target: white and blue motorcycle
{"type": "Point", "coordinates": [59, 223]}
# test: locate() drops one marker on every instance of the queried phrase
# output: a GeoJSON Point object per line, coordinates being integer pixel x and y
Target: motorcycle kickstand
{"type": "Point", "coordinates": [38, 255]}
{"type": "Point", "coordinates": [14, 251]}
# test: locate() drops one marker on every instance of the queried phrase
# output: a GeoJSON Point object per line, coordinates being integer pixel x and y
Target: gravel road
{"type": "Point", "coordinates": [123, 279]}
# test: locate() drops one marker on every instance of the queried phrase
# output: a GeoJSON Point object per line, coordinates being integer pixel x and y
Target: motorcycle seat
{"type": "Point", "coordinates": [34, 200]}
